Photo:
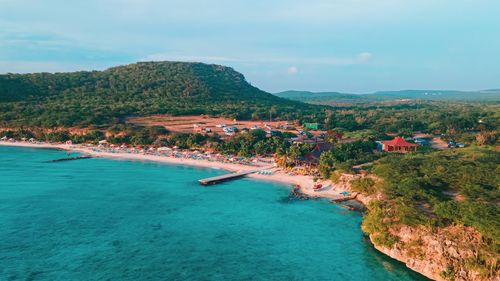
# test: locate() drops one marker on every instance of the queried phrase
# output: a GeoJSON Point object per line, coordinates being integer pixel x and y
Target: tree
{"type": "Point", "coordinates": [272, 111]}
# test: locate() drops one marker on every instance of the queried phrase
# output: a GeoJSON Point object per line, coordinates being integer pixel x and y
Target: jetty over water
{"type": "Point", "coordinates": [69, 159]}
{"type": "Point", "coordinates": [232, 176]}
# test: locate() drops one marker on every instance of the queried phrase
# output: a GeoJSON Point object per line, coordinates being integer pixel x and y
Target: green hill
{"type": "Point", "coordinates": [144, 88]}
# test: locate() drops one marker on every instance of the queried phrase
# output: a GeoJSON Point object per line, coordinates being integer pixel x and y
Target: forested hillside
{"type": "Point", "coordinates": [107, 97]}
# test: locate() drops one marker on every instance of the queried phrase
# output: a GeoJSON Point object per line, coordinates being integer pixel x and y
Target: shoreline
{"type": "Point", "coordinates": [305, 183]}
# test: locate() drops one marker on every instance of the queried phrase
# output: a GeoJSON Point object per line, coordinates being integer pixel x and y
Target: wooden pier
{"type": "Point", "coordinates": [227, 177]}
{"type": "Point", "coordinates": [69, 159]}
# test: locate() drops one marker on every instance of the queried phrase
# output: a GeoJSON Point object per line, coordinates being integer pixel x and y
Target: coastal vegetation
{"type": "Point", "coordinates": [438, 190]}
{"type": "Point", "coordinates": [343, 156]}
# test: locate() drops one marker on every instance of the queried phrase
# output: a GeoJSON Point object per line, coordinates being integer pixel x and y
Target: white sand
{"type": "Point", "coordinates": [305, 183]}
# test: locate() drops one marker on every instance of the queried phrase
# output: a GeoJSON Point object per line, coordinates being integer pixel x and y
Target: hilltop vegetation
{"type": "Point", "coordinates": [145, 88]}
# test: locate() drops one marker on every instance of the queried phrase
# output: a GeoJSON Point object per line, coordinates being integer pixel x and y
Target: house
{"type": "Point", "coordinates": [286, 126]}
{"type": "Point", "coordinates": [398, 144]}
{"type": "Point", "coordinates": [312, 126]}
{"type": "Point", "coordinates": [230, 130]}
{"type": "Point", "coordinates": [312, 158]}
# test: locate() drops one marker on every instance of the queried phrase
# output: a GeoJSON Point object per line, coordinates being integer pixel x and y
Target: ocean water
{"type": "Point", "coordinates": [100, 219]}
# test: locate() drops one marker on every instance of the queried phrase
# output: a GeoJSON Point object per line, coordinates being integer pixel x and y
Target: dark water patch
{"type": "Point", "coordinates": [296, 195]}
{"type": "Point", "coordinates": [69, 159]}
{"type": "Point", "coordinates": [353, 205]}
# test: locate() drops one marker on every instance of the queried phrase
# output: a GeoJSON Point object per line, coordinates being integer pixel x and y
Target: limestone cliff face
{"type": "Point", "coordinates": [439, 254]}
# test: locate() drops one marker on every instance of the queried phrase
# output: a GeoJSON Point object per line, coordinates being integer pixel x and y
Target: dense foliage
{"type": "Point", "coordinates": [344, 156]}
{"type": "Point", "coordinates": [254, 142]}
{"type": "Point", "coordinates": [403, 119]}
{"type": "Point", "coordinates": [107, 97]}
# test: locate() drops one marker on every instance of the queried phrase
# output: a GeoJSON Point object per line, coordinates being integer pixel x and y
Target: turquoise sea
{"type": "Point", "coordinates": [100, 219]}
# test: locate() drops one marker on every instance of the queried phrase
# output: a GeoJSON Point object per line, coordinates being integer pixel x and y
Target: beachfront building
{"type": "Point", "coordinates": [311, 159]}
{"type": "Point", "coordinates": [398, 144]}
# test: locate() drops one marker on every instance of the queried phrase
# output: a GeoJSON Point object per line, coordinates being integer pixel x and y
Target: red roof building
{"type": "Point", "coordinates": [312, 158]}
{"type": "Point", "coordinates": [398, 144]}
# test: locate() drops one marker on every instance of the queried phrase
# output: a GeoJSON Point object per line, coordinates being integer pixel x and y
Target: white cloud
{"type": "Point", "coordinates": [364, 57]}
{"type": "Point", "coordinates": [293, 70]}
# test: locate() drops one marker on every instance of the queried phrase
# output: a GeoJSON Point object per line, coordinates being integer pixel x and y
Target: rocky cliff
{"type": "Point", "coordinates": [446, 253]}
{"type": "Point", "coordinates": [441, 253]}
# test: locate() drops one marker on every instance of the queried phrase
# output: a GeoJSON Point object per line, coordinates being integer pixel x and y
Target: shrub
{"type": "Point", "coordinates": [365, 185]}
{"type": "Point", "coordinates": [335, 177]}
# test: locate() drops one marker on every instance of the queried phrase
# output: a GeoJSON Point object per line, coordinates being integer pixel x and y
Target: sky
{"type": "Point", "coordinates": [355, 46]}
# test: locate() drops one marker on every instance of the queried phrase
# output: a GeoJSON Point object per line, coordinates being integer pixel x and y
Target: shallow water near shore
{"type": "Point", "coordinates": [101, 219]}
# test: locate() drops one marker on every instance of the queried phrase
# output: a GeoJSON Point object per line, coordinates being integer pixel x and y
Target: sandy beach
{"type": "Point", "coordinates": [306, 183]}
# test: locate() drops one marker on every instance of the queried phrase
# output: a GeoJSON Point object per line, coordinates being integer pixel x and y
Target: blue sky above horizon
{"type": "Point", "coordinates": [318, 45]}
